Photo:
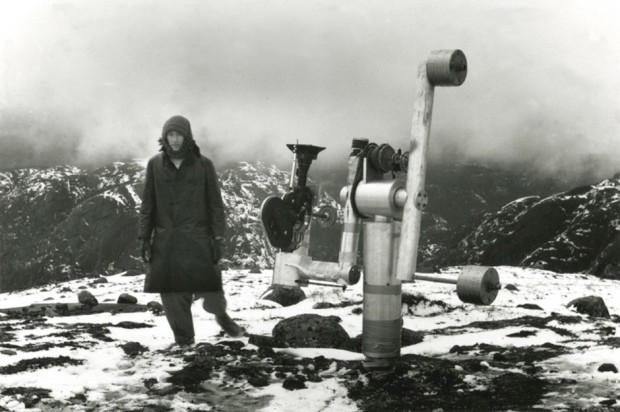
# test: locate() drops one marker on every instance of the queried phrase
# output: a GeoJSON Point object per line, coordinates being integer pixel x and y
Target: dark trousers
{"type": "Point", "coordinates": [178, 308]}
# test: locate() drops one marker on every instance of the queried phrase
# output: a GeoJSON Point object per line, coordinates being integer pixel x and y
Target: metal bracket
{"type": "Point", "coordinates": [421, 200]}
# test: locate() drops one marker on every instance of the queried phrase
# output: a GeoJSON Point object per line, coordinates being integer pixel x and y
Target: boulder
{"type": "Point", "coordinates": [87, 298]}
{"type": "Point", "coordinates": [283, 295]}
{"type": "Point", "coordinates": [127, 298]}
{"type": "Point", "coordinates": [310, 331]}
{"type": "Point", "coordinates": [155, 307]}
{"type": "Point", "coordinates": [608, 367]}
{"type": "Point", "coordinates": [590, 305]}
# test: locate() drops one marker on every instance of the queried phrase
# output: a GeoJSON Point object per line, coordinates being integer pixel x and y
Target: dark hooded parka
{"type": "Point", "coordinates": [182, 211]}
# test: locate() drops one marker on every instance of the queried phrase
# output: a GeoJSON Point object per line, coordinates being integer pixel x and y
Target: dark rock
{"type": "Point", "coordinates": [323, 305]}
{"type": "Point", "coordinates": [522, 334]}
{"type": "Point", "coordinates": [127, 298]}
{"type": "Point", "coordinates": [294, 382]}
{"type": "Point", "coordinates": [100, 280]}
{"type": "Point", "coordinates": [608, 402]}
{"type": "Point", "coordinates": [133, 349]}
{"type": "Point", "coordinates": [516, 390]}
{"type": "Point", "coordinates": [155, 307]}
{"type": "Point", "coordinates": [283, 295]}
{"type": "Point", "coordinates": [590, 305]}
{"type": "Point", "coordinates": [87, 298]}
{"type": "Point", "coordinates": [127, 324]}
{"type": "Point", "coordinates": [258, 381]}
{"type": "Point", "coordinates": [511, 287]}
{"type": "Point", "coordinates": [310, 331]}
{"type": "Point", "coordinates": [313, 377]}
{"type": "Point", "coordinates": [27, 395]}
{"type": "Point", "coordinates": [608, 367]}
{"type": "Point", "coordinates": [409, 337]}
{"type": "Point", "coordinates": [531, 306]}
{"type": "Point", "coordinates": [262, 341]}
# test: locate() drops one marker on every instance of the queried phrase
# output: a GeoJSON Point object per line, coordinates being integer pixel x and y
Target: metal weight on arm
{"type": "Point", "coordinates": [476, 284]}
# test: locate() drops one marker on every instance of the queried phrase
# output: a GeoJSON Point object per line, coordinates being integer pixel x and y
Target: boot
{"type": "Point", "coordinates": [230, 326]}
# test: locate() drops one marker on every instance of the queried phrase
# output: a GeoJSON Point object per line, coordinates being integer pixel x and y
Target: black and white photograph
{"type": "Point", "coordinates": [317, 205]}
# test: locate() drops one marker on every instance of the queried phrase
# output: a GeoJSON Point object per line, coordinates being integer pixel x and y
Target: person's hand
{"type": "Point", "coordinates": [146, 251]}
{"type": "Point", "coordinates": [218, 249]}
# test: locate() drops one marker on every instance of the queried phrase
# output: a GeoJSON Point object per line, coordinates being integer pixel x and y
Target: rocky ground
{"type": "Point", "coordinates": [535, 348]}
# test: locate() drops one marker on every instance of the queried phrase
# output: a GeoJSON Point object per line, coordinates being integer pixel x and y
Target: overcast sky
{"type": "Point", "coordinates": [92, 81]}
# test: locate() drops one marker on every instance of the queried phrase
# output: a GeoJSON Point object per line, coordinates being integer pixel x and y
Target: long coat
{"type": "Point", "coordinates": [181, 212]}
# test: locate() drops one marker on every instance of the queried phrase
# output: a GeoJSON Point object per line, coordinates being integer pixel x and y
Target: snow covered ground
{"type": "Point", "coordinates": [109, 379]}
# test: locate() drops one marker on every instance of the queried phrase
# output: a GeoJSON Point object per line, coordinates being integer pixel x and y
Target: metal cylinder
{"type": "Point", "coordinates": [349, 242]}
{"type": "Point", "coordinates": [333, 272]}
{"type": "Point", "coordinates": [380, 198]}
{"type": "Point", "coordinates": [382, 323]}
{"type": "Point", "coordinates": [478, 285]}
{"type": "Point", "coordinates": [446, 68]}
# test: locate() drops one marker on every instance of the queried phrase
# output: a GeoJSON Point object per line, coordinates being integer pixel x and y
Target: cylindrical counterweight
{"type": "Point", "coordinates": [446, 68]}
{"type": "Point", "coordinates": [382, 322]}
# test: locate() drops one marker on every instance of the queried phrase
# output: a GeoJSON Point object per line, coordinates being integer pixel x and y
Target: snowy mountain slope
{"type": "Point", "coordinates": [528, 350]}
{"type": "Point", "coordinates": [64, 222]}
{"type": "Point", "coordinates": [565, 232]}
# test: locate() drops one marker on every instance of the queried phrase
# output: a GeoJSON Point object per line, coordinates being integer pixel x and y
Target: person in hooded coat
{"type": "Point", "coordinates": [181, 228]}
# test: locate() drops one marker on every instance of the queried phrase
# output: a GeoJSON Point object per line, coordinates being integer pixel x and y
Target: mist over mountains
{"type": "Point", "coordinates": [65, 222]}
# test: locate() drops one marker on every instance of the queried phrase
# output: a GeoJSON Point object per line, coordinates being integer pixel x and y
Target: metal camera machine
{"type": "Point", "coordinates": [390, 211]}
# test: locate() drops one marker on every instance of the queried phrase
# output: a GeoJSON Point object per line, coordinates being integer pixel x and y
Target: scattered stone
{"type": "Point", "coordinates": [127, 298]}
{"type": "Point", "coordinates": [590, 305]}
{"type": "Point", "coordinates": [531, 306]}
{"type": "Point", "coordinates": [8, 352]}
{"type": "Point", "coordinates": [100, 280]}
{"type": "Point", "coordinates": [133, 349]}
{"type": "Point", "coordinates": [409, 337]}
{"type": "Point", "coordinates": [283, 295]}
{"type": "Point", "coordinates": [522, 334]}
{"type": "Point", "coordinates": [511, 287]}
{"type": "Point", "coordinates": [608, 367]}
{"type": "Point", "coordinates": [608, 402]}
{"type": "Point", "coordinates": [27, 395]}
{"type": "Point", "coordinates": [261, 341]}
{"type": "Point", "coordinates": [38, 363]}
{"type": "Point", "coordinates": [127, 324]}
{"type": "Point", "coordinates": [310, 331]}
{"type": "Point", "coordinates": [323, 305]}
{"type": "Point", "coordinates": [294, 382]}
{"type": "Point", "coordinates": [78, 399]}
{"type": "Point", "coordinates": [87, 298]}
{"type": "Point", "coordinates": [66, 289]}
{"type": "Point", "coordinates": [155, 307]}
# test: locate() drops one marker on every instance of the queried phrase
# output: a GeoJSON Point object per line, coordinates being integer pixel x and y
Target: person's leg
{"type": "Point", "coordinates": [215, 303]}
{"type": "Point", "coordinates": [178, 308]}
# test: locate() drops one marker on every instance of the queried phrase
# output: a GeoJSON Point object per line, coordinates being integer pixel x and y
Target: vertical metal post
{"type": "Point", "coordinates": [416, 177]}
{"type": "Point", "coordinates": [349, 242]}
{"type": "Point", "coordinates": [443, 68]}
{"type": "Point", "coordinates": [382, 322]}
